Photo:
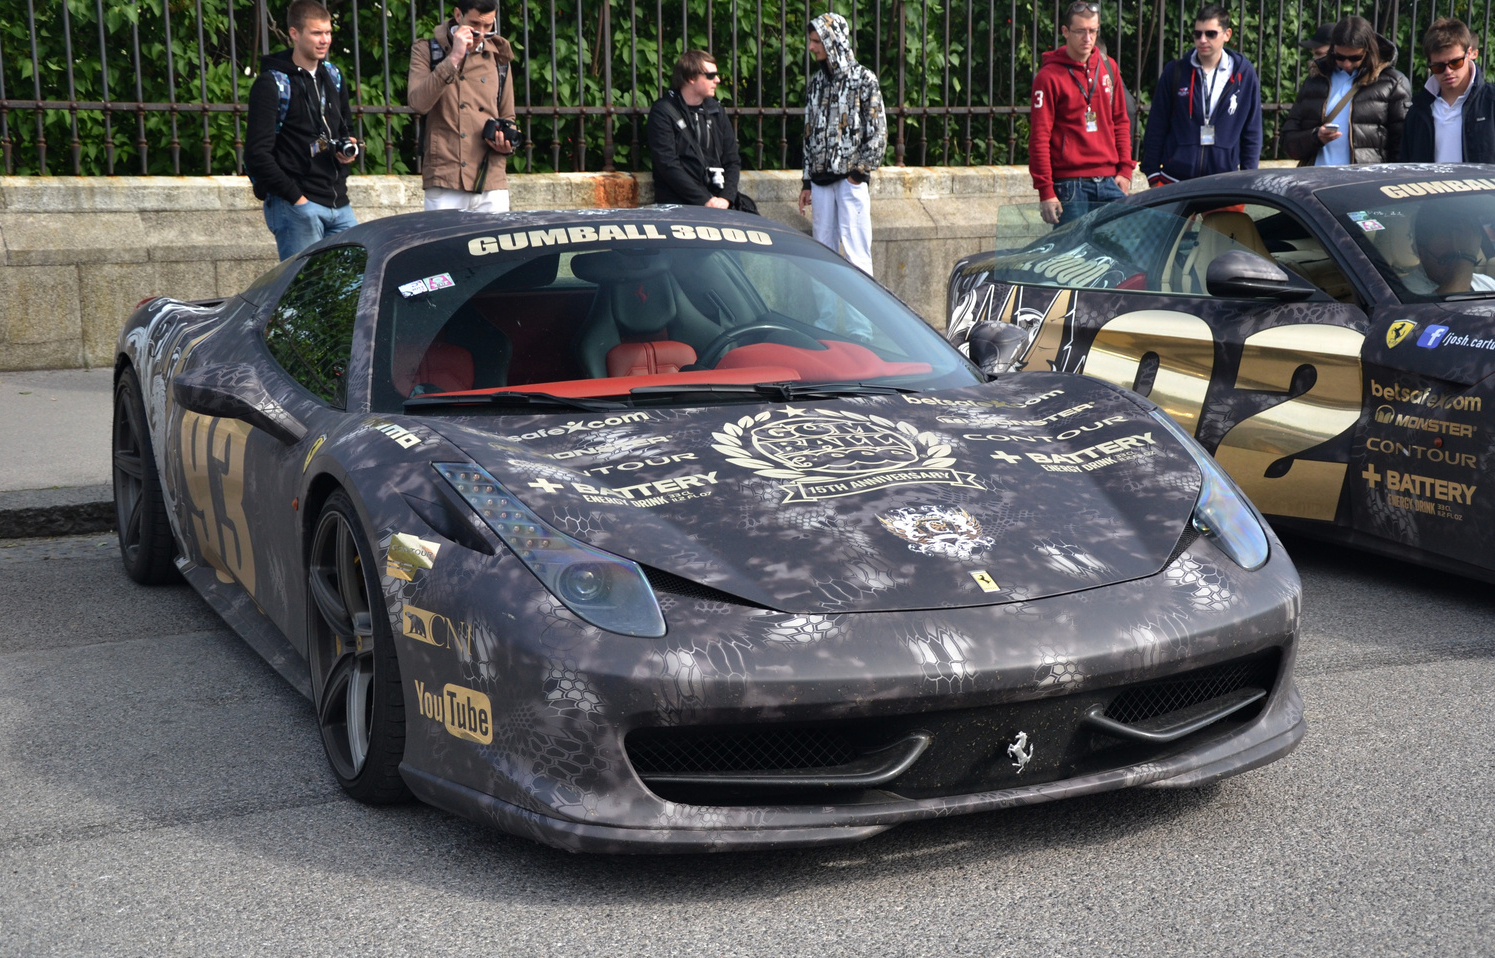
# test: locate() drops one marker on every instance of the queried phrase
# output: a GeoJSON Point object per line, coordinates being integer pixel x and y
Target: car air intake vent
{"type": "Point", "coordinates": [1190, 536]}
{"type": "Point", "coordinates": [672, 584]}
{"type": "Point", "coordinates": [1191, 688]}
{"type": "Point", "coordinates": [674, 751]}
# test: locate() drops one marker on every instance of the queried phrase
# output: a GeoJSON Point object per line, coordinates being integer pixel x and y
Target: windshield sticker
{"type": "Point", "coordinates": [1433, 187]}
{"type": "Point", "coordinates": [827, 454]}
{"type": "Point", "coordinates": [1358, 215]}
{"type": "Point", "coordinates": [428, 285]}
{"type": "Point", "coordinates": [611, 233]}
{"type": "Point", "coordinates": [1370, 226]}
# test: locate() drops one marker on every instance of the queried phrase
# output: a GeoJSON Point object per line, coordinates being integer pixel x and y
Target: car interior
{"type": "Point", "coordinates": [602, 322]}
{"type": "Point", "coordinates": [1264, 230]}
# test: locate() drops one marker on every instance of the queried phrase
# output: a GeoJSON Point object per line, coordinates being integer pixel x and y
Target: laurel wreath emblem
{"type": "Point", "coordinates": [729, 442]}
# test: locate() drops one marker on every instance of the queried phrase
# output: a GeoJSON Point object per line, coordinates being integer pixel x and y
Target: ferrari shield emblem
{"type": "Point", "coordinates": [1399, 331]}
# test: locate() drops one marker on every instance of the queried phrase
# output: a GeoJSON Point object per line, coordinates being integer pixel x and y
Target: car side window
{"type": "Point", "coordinates": [310, 332]}
{"type": "Point", "coordinates": [1296, 248]}
{"type": "Point", "coordinates": [1217, 226]}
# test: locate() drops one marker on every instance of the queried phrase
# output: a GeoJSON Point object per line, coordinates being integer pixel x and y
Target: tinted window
{"type": "Point", "coordinates": [310, 334]}
{"type": "Point", "coordinates": [1428, 247]}
{"type": "Point", "coordinates": [477, 313]}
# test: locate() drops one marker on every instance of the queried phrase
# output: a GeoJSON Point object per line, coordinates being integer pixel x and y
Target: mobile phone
{"type": "Point", "coordinates": [1332, 127]}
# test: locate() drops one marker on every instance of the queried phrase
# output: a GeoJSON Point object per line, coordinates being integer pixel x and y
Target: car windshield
{"type": "Point", "coordinates": [1431, 241]}
{"type": "Point", "coordinates": [644, 313]}
{"type": "Point", "coordinates": [1119, 246]}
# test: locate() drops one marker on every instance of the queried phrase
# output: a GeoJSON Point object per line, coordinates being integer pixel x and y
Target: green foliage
{"type": "Point", "coordinates": [611, 58]}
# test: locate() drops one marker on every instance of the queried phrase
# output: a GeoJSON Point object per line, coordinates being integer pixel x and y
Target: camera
{"type": "Point", "coordinates": [508, 128]}
{"type": "Point", "coordinates": [345, 147]}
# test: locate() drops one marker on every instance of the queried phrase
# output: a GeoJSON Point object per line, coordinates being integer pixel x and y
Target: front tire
{"type": "Point", "coordinates": [355, 670]}
{"type": "Point", "coordinates": [145, 543]}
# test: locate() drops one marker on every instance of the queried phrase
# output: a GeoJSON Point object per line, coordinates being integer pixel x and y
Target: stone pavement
{"type": "Point", "coordinates": [54, 452]}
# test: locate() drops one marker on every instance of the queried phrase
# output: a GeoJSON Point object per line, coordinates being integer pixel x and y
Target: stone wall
{"type": "Point", "coordinates": [80, 252]}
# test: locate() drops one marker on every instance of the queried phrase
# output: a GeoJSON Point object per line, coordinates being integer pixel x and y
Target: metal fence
{"type": "Point", "coordinates": [92, 87]}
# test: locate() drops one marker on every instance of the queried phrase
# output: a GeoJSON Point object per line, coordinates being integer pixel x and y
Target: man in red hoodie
{"type": "Point", "coordinates": [1079, 140]}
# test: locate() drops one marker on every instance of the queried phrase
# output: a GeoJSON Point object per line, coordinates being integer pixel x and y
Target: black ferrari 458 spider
{"type": "Point", "coordinates": [1327, 333]}
{"type": "Point", "coordinates": [665, 530]}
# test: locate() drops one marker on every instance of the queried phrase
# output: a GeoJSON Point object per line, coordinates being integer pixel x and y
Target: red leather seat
{"type": "Point", "coordinates": [648, 359]}
{"type": "Point", "coordinates": [449, 368]}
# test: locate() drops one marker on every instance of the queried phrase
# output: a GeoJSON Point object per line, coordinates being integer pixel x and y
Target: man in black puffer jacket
{"type": "Point", "coordinates": [692, 142]}
{"type": "Point", "coordinates": [1351, 109]}
{"type": "Point", "coordinates": [1452, 119]}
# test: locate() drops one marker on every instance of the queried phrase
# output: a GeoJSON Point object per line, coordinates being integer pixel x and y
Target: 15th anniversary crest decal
{"type": "Point", "coordinates": [828, 453]}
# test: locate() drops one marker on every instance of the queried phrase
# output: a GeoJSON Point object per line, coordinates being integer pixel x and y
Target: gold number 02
{"type": "Point", "coordinates": [1184, 345]}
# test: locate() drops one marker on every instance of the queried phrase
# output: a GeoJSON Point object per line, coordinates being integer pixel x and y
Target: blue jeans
{"type": "Point", "coordinates": [1083, 194]}
{"type": "Point", "coordinates": [297, 227]}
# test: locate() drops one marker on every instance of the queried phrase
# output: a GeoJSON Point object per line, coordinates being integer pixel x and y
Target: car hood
{"type": "Point", "coordinates": [1033, 486]}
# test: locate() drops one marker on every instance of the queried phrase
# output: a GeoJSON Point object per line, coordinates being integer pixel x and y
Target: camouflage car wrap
{"type": "Point", "coordinates": [878, 609]}
{"type": "Point", "coordinates": [1354, 415]}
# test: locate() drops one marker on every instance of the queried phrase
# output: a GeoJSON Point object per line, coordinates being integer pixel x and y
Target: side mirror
{"type": "Point", "coordinates": [1242, 273]}
{"type": "Point", "coordinates": [996, 346]}
{"type": "Point", "coordinates": [234, 391]}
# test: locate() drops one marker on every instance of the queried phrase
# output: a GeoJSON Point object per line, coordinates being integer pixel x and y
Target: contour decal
{"type": "Point", "coordinates": [826, 453]}
{"type": "Point", "coordinates": [938, 531]}
{"type": "Point", "coordinates": [408, 554]}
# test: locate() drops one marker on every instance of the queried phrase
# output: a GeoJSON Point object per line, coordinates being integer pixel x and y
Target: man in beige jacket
{"type": "Point", "coordinates": [460, 80]}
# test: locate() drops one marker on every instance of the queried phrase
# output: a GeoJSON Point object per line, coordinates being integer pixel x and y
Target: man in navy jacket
{"type": "Point", "coordinates": [1452, 118]}
{"type": "Point", "coordinates": [1206, 112]}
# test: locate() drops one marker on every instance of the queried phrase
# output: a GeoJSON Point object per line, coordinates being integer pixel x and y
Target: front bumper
{"type": "Point", "coordinates": [565, 698]}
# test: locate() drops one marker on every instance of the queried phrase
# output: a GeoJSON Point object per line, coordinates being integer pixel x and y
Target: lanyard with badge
{"type": "Point", "coordinates": [1092, 124]}
{"type": "Point", "coordinates": [1211, 80]}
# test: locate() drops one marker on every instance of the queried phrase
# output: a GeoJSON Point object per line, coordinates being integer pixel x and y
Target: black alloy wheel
{"type": "Point", "coordinates": [355, 671]}
{"type": "Point", "coordinates": [145, 543]}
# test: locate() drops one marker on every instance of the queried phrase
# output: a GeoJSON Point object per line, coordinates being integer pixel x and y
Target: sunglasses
{"type": "Point", "coordinates": [1341, 58]}
{"type": "Point", "coordinates": [713, 75]}
{"type": "Point", "coordinates": [1083, 8]}
{"type": "Point", "coordinates": [1457, 63]}
{"type": "Point", "coordinates": [1201, 34]}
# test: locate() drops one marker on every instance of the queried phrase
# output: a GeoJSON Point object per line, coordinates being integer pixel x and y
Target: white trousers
{"type": "Point", "coordinates": [493, 201]}
{"type": "Point", "coordinates": [841, 216]}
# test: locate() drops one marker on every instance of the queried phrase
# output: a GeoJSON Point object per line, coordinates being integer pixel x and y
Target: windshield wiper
{"type": "Point", "coordinates": [517, 400]}
{"type": "Point", "coordinates": [781, 392]}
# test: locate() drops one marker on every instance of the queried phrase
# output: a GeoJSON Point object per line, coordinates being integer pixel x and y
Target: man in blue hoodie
{"type": "Point", "coordinates": [1206, 112]}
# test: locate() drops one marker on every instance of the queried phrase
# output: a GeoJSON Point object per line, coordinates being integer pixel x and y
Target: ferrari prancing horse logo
{"type": "Point", "coordinates": [1399, 331]}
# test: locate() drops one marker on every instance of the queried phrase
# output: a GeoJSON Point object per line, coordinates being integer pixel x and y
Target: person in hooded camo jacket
{"type": "Point", "coordinates": [846, 133]}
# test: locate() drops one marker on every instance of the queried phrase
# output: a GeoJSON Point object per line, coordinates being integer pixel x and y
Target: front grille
{"type": "Point", "coordinates": [1169, 695]}
{"type": "Point", "coordinates": [665, 751]}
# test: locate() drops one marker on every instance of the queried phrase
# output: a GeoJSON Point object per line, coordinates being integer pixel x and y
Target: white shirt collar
{"type": "Point", "coordinates": [1222, 66]}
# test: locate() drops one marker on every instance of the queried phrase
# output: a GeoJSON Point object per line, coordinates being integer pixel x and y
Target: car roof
{"type": "Point", "coordinates": [1301, 183]}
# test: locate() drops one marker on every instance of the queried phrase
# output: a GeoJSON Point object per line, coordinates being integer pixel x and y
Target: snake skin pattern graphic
{"type": "Point", "coordinates": [780, 538]}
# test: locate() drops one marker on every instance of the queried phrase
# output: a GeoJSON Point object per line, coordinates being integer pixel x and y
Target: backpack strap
{"type": "Point", "coordinates": [437, 54]}
{"type": "Point", "coordinates": [336, 74]}
{"type": "Point", "coordinates": [283, 87]}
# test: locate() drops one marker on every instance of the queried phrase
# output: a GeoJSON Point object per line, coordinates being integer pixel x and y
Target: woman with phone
{"type": "Point", "coordinates": [1353, 104]}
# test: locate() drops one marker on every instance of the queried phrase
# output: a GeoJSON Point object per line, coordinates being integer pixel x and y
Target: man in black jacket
{"type": "Point", "coordinates": [696, 162]}
{"type": "Point", "coordinates": [300, 136]}
{"type": "Point", "coordinates": [1452, 119]}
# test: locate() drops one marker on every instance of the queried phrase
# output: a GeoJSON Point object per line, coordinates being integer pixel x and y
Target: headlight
{"type": "Point", "coordinates": [1222, 512]}
{"type": "Point", "coordinates": [609, 592]}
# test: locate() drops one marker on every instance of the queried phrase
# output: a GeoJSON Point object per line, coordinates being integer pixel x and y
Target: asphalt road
{"type": "Point", "coordinates": [163, 792]}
